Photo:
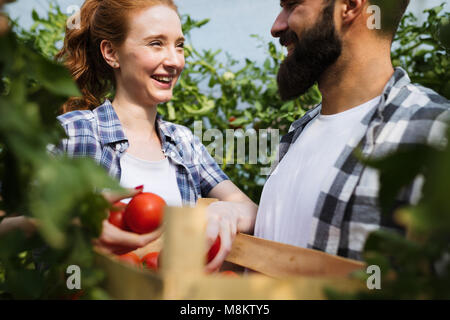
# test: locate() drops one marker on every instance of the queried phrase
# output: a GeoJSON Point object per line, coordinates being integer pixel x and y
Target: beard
{"type": "Point", "coordinates": [318, 49]}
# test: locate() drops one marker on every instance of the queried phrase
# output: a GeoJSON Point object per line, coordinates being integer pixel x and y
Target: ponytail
{"type": "Point", "coordinates": [82, 56]}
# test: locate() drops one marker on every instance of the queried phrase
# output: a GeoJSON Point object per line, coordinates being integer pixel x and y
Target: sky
{"type": "Point", "coordinates": [232, 21]}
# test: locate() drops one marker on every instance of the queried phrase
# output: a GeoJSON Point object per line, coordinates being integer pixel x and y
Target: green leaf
{"type": "Point", "coordinates": [444, 35]}
{"type": "Point", "coordinates": [54, 77]}
{"type": "Point", "coordinates": [35, 15]}
{"type": "Point", "coordinates": [207, 106]}
{"type": "Point", "coordinates": [24, 284]}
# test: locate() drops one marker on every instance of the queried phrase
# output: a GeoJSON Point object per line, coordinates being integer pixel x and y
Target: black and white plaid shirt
{"type": "Point", "coordinates": [347, 209]}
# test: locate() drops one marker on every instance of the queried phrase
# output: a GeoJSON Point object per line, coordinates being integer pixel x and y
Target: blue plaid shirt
{"type": "Point", "coordinates": [98, 134]}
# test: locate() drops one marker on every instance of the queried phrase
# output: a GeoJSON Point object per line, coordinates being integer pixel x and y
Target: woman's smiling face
{"type": "Point", "coordinates": [151, 58]}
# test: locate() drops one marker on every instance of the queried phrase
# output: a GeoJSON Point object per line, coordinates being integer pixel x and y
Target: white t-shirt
{"type": "Point", "coordinates": [290, 194]}
{"type": "Point", "coordinates": [158, 177]}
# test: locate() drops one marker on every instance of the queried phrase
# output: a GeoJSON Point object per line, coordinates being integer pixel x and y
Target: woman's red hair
{"type": "Point", "coordinates": [100, 20]}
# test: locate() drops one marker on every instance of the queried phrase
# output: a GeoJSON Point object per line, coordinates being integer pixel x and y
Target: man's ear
{"type": "Point", "coordinates": [351, 10]}
{"type": "Point", "coordinates": [109, 53]}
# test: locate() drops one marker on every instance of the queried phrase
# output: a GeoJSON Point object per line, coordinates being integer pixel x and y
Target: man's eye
{"type": "Point", "coordinates": [180, 45]}
{"type": "Point", "coordinates": [289, 4]}
{"type": "Point", "coordinates": [155, 43]}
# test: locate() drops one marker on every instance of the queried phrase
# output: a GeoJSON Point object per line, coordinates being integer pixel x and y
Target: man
{"type": "Point", "coordinates": [319, 194]}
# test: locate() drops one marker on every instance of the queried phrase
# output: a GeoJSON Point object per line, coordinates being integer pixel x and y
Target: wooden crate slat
{"type": "Point", "coordinates": [182, 276]}
{"type": "Point", "coordinates": [260, 287]}
{"type": "Point", "coordinates": [280, 260]}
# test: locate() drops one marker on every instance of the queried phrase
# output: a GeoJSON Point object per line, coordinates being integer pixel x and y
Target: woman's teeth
{"type": "Point", "coordinates": [163, 79]}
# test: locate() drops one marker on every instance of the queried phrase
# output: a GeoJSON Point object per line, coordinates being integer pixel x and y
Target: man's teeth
{"type": "Point", "coordinates": [162, 78]}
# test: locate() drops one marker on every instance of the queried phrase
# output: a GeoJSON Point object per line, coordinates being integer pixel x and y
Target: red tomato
{"type": "Point", "coordinates": [214, 249]}
{"type": "Point", "coordinates": [145, 212]}
{"type": "Point", "coordinates": [131, 258]}
{"type": "Point", "coordinates": [116, 215]}
{"type": "Point", "coordinates": [150, 260]}
{"type": "Point", "coordinates": [229, 273]}
{"type": "Point", "coordinates": [231, 120]}
{"type": "Point", "coordinates": [77, 295]}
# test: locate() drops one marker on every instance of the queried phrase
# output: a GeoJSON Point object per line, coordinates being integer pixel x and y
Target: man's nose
{"type": "Point", "coordinates": [280, 25]}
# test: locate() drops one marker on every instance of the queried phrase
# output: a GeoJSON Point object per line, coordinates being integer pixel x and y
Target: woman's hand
{"type": "Point", "coordinates": [27, 225]}
{"type": "Point", "coordinates": [112, 239]}
{"type": "Point", "coordinates": [222, 221]}
{"type": "Point", "coordinates": [117, 241]}
{"type": "Point", "coordinates": [234, 213]}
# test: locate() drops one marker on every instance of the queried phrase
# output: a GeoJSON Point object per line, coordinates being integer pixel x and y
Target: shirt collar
{"type": "Point", "coordinates": [399, 80]}
{"type": "Point", "coordinates": [165, 130]}
{"type": "Point", "coordinates": [110, 129]}
{"type": "Point", "coordinates": [109, 126]}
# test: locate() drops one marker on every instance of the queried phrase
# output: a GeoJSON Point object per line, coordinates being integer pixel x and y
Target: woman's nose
{"type": "Point", "coordinates": [174, 59]}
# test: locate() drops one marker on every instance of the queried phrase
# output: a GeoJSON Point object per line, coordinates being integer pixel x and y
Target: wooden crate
{"type": "Point", "coordinates": [279, 271]}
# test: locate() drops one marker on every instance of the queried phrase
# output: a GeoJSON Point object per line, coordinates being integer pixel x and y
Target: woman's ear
{"type": "Point", "coordinates": [351, 10]}
{"type": "Point", "coordinates": [109, 54]}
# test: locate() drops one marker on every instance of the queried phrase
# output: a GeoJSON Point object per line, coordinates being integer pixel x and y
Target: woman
{"type": "Point", "coordinates": [135, 47]}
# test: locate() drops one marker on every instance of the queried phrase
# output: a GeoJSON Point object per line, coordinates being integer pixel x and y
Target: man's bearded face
{"type": "Point", "coordinates": [318, 48]}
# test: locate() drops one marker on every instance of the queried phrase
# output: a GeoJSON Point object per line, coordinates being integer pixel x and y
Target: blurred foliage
{"type": "Point", "coordinates": [61, 193]}
{"type": "Point", "coordinates": [222, 95]}
{"type": "Point", "coordinates": [418, 266]}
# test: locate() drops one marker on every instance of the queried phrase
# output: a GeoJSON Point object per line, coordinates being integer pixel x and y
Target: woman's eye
{"type": "Point", "coordinates": [180, 45]}
{"type": "Point", "coordinates": [155, 43]}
